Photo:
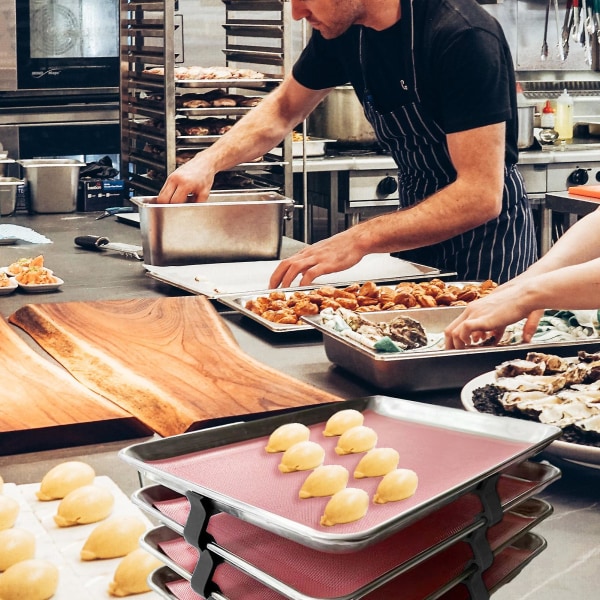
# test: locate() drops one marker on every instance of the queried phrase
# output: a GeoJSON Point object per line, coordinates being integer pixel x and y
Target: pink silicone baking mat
{"type": "Point", "coordinates": [445, 461]}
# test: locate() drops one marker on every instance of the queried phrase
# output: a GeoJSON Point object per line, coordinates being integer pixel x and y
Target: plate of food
{"type": "Point", "coordinates": [48, 286]}
{"type": "Point", "coordinates": [7, 284]}
{"type": "Point", "coordinates": [554, 390]}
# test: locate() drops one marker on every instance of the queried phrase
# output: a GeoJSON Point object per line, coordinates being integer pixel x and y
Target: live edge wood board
{"type": "Point", "coordinates": [170, 362]}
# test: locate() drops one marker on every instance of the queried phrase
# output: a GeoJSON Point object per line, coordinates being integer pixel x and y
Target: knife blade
{"type": "Point", "coordinates": [97, 242]}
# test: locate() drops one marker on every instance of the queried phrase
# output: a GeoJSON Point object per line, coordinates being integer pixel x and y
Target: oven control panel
{"type": "Point", "coordinates": [558, 177]}
{"type": "Point", "coordinates": [372, 188]}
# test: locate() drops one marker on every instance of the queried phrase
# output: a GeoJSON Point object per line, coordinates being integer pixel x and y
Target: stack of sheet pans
{"type": "Point", "coordinates": [232, 527]}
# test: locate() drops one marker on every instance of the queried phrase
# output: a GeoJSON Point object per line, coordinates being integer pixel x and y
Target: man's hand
{"type": "Point", "coordinates": [189, 183]}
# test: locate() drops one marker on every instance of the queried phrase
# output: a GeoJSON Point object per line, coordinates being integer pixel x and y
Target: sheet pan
{"type": "Point", "coordinates": [452, 451]}
{"type": "Point", "coordinates": [419, 371]}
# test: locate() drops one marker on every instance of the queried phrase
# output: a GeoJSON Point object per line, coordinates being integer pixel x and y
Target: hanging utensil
{"type": "Point", "coordinates": [544, 53]}
{"type": "Point", "coordinates": [596, 16]}
{"type": "Point", "coordinates": [575, 30]}
{"type": "Point", "coordinates": [587, 30]}
{"type": "Point", "coordinates": [567, 28]}
{"type": "Point", "coordinates": [559, 44]}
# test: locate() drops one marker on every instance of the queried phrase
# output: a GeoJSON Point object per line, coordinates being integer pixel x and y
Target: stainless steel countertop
{"type": "Point", "coordinates": [568, 568]}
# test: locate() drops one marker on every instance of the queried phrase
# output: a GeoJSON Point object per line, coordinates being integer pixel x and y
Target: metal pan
{"type": "Point", "coordinates": [452, 451]}
{"type": "Point", "coordinates": [417, 371]}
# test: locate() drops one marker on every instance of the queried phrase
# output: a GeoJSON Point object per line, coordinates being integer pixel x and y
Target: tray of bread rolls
{"type": "Point", "coordinates": [75, 534]}
{"type": "Point", "coordinates": [447, 576]}
{"type": "Point", "coordinates": [338, 480]}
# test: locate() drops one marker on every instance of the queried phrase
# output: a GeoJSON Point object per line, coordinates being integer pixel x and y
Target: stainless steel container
{"type": "Point", "coordinates": [525, 137]}
{"type": "Point", "coordinates": [8, 195]}
{"type": "Point", "coordinates": [340, 116]}
{"type": "Point", "coordinates": [53, 183]}
{"type": "Point", "coordinates": [226, 228]}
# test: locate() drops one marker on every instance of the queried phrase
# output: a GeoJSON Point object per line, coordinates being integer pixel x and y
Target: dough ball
{"type": "Point", "coordinates": [87, 504]}
{"type": "Point", "coordinates": [15, 545]}
{"type": "Point", "coordinates": [343, 420]}
{"type": "Point", "coordinates": [377, 462]}
{"type": "Point", "coordinates": [64, 478]}
{"type": "Point", "coordinates": [396, 485]}
{"type": "Point", "coordinates": [9, 511]}
{"type": "Point", "coordinates": [131, 574]}
{"type": "Point", "coordinates": [325, 480]}
{"type": "Point", "coordinates": [113, 538]}
{"type": "Point", "coordinates": [356, 439]}
{"type": "Point", "coordinates": [287, 435]}
{"type": "Point", "coordinates": [302, 456]}
{"type": "Point", "coordinates": [32, 579]}
{"type": "Point", "coordinates": [345, 506]}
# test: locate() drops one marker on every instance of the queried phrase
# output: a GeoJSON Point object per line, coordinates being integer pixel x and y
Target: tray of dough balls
{"type": "Point", "coordinates": [442, 576]}
{"type": "Point", "coordinates": [73, 535]}
{"type": "Point", "coordinates": [387, 462]}
{"type": "Point", "coordinates": [340, 576]}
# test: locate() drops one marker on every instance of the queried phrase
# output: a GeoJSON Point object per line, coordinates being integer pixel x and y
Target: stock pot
{"type": "Point", "coordinates": [525, 138]}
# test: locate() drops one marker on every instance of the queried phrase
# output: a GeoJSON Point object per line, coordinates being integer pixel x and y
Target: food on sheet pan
{"type": "Point", "coordinates": [345, 506]}
{"type": "Point", "coordinates": [280, 307]}
{"type": "Point", "coordinates": [377, 462]}
{"type": "Point", "coordinates": [302, 456]}
{"type": "Point", "coordinates": [195, 73]}
{"type": "Point", "coordinates": [343, 420]}
{"type": "Point", "coordinates": [356, 439]}
{"type": "Point", "coordinates": [32, 579]}
{"type": "Point", "coordinates": [16, 544]}
{"type": "Point", "coordinates": [113, 538]}
{"type": "Point", "coordinates": [9, 511]}
{"type": "Point", "coordinates": [131, 575]}
{"type": "Point", "coordinates": [564, 392]}
{"type": "Point", "coordinates": [398, 484]}
{"type": "Point", "coordinates": [87, 504]}
{"type": "Point", "coordinates": [325, 480]}
{"type": "Point", "coordinates": [287, 435]}
{"type": "Point", "coordinates": [64, 478]}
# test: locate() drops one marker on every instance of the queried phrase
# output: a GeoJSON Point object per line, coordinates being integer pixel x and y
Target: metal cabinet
{"type": "Point", "coordinates": [162, 126]}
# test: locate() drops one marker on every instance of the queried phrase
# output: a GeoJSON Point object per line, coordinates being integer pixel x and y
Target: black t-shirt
{"type": "Point", "coordinates": [463, 65]}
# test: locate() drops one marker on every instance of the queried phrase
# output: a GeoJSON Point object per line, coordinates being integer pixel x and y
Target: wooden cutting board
{"type": "Point", "coordinates": [171, 362]}
{"type": "Point", "coordinates": [42, 407]}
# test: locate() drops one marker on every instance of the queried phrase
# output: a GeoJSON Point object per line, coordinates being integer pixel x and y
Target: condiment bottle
{"type": "Point", "coordinates": [564, 116]}
{"type": "Point", "coordinates": [548, 116]}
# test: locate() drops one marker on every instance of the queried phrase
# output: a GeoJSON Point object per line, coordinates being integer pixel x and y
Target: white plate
{"type": "Point", "coordinates": [586, 455]}
{"type": "Point", "coordinates": [10, 288]}
{"type": "Point", "coordinates": [33, 288]}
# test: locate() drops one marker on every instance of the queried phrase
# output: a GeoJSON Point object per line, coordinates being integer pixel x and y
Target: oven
{"type": "Point", "coordinates": [59, 44]}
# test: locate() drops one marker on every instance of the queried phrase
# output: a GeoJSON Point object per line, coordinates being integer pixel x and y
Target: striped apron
{"type": "Point", "coordinates": [499, 249]}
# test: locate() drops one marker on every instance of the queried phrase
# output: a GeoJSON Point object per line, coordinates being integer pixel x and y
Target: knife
{"type": "Point", "coordinates": [97, 242]}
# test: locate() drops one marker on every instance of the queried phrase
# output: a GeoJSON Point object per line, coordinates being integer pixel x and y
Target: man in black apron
{"type": "Point", "coordinates": [436, 80]}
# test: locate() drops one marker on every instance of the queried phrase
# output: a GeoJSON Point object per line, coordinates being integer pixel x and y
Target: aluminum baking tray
{"type": "Point", "coordinates": [216, 281]}
{"type": "Point", "coordinates": [453, 451]}
{"type": "Point", "coordinates": [346, 576]}
{"type": "Point", "coordinates": [417, 371]}
{"type": "Point", "coordinates": [515, 485]}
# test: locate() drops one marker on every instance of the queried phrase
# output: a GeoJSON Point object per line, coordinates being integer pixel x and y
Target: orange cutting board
{"type": "Point", "coordinates": [171, 362]}
{"type": "Point", "coordinates": [42, 407]}
{"type": "Point", "coordinates": [591, 191]}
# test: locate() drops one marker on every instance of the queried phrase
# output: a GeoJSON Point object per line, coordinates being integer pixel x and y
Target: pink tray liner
{"type": "Point", "coordinates": [444, 460]}
{"type": "Point", "coordinates": [338, 575]}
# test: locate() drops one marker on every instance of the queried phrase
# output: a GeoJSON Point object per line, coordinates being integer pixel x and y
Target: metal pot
{"type": "Point", "coordinates": [525, 137]}
{"type": "Point", "coordinates": [340, 117]}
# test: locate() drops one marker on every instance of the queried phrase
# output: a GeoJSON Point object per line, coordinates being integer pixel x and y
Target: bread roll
{"type": "Point", "coordinates": [325, 480]}
{"type": "Point", "coordinates": [287, 435]}
{"type": "Point", "coordinates": [9, 511]}
{"type": "Point", "coordinates": [356, 439]}
{"type": "Point", "coordinates": [343, 420]}
{"type": "Point", "coordinates": [131, 574]}
{"type": "Point", "coordinates": [377, 462]}
{"type": "Point", "coordinates": [113, 538]}
{"type": "Point", "coordinates": [31, 579]}
{"type": "Point", "coordinates": [87, 504]}
{"type": "Point", "coordinates": [64, 478]}
{"type": "Point", "coordinates": [302, 457]}
{"type": "Point", "coordinates": [396, 485]}
{"type": "Point", "coordinates": [15, 545]}
{"type": "Point", "coordinates": [345, 506]}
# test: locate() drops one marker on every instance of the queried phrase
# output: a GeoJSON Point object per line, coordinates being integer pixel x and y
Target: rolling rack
{"type": "Point", "coordinates": [256, 37]}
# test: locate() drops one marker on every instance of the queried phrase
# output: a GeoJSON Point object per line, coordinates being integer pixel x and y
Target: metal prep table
{"type": "Point", "coordinates": [568, 568]}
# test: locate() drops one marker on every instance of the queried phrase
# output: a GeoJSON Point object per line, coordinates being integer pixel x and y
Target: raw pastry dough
{"type": "Point", "coordinates": [302, 456]}
{"type": "Point", "coordinates": [287, 435]}
{"type": "Point", "coordinates": [64, 478]}
{"type": "Point", "coordinates": [349, 504]}
{"type": "Point", "coordinates": [33, 579]}
{"type": "Point", "coordinates": [15, 545]}
{"type": "Point", "coordinates": [342, 421]}
{"type": "Point", "coordinates": [325, 480]}
{"type": "Point", "coordinates": [9, 511]}
{"type": "Point", "coordinates": [356, 439]}
{"type": "Point", "coordinates": [396, 485]}
{"type": "Point", "coordinates": [87, 504]}
{"type": "Point", "coordinates": [377, 462]}
{"type": "Point", "coordinates": [113, 538]}
{"type": "Point", "coordinates": [131, 574]}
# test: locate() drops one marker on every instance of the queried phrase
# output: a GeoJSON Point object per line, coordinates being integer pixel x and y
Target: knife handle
{"type": "Point", "coordinates": [91, 242]}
